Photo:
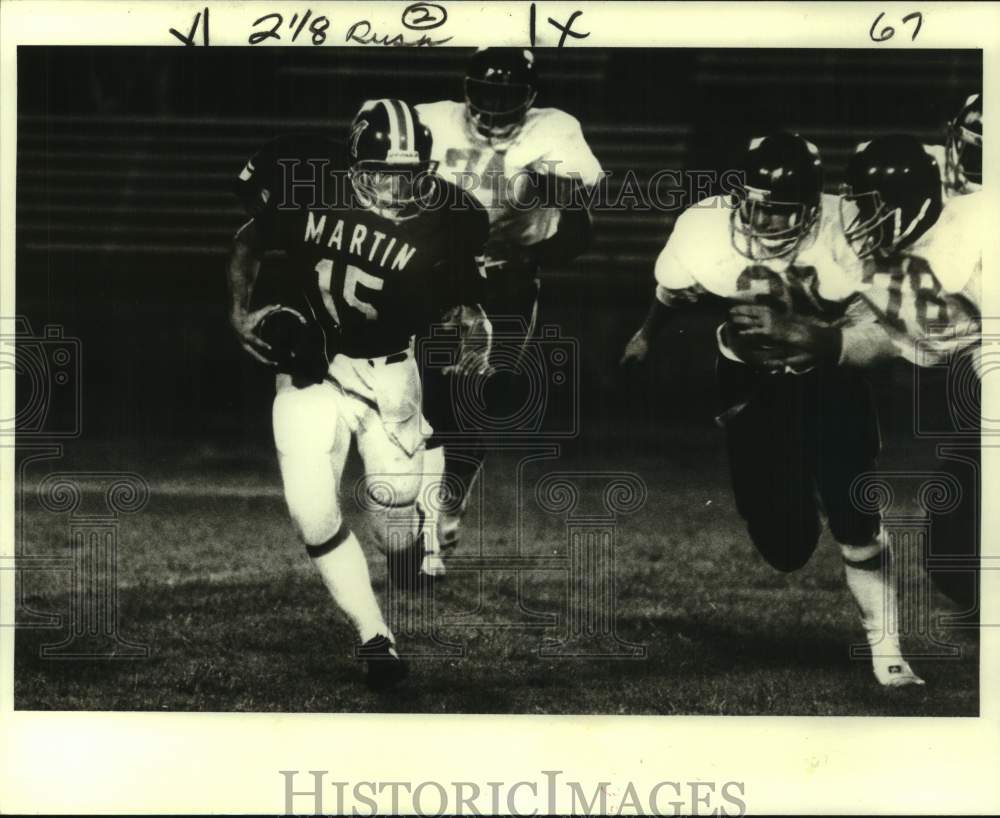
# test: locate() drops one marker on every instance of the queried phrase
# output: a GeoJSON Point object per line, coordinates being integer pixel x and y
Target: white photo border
{"type": "Point", "coordinates": [83, 763]}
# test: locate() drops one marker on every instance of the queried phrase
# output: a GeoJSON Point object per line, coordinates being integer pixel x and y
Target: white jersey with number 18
{"type": "Point", "coordinates": [928, 297]}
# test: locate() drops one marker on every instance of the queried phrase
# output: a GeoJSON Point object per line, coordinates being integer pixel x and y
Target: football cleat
{"type": "Point", "coordinates": [894, 672]}
{"type": "Point", "coordinates": [433, 566]}
{"type": "Point", "coordinates": [385, 668]}
{"type": "Point", "coordinates": [446, 535]}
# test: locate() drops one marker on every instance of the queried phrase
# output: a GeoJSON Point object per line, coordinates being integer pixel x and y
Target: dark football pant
{"type": "Point", "coordinates": [795, 442]}
{"type": "Point", "coordinates": [950, 400]}
{"type": "Point", "coordinates": [465, 416]}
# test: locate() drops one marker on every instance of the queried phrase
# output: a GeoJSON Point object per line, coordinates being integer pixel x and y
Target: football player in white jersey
{"type": "Point", "coordinates": [798, 434]}
{"type": "Point", "coordinates": [960, 158]}
{"type": "Point", "coordinates": [527, 166]}
{"type": "Point", "coordinates": [919, 299]}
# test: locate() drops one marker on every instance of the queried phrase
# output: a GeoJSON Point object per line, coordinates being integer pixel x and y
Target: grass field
{"type": "Point", "coordinates": [211, 578]}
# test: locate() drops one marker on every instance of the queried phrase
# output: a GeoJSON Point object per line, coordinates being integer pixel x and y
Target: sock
{"type": "Point", "coordinates": [430, 499]}
{"type": "Point", "coordinates": [872, 585]}
{"type": "Point", "coordinates": [868, 578]}
{"type": "Point", "coordinates": [342, 565]}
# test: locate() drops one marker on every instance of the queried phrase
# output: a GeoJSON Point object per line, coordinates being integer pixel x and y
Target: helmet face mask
{"type": "Point", "coordinates": [497, 110]}
{"type": "Point", "coordinates": [964, 147]}
{"type": "Point", "coordinates": [500, 88]}
{"type": "Point", "coordinates": [764, 230]}
{"type": "Point", "coordinates": [777, 206]}
{"type": "Point", "coordinates": [891, 198]}
{"type": "Point", "coordinates": [864, 219]}
{"type": "Point", "coordinates": [393, 191]}
{"type": "Point", "coordinates": [391, 170]}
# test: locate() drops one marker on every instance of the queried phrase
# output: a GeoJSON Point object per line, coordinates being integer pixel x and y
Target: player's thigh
{"type": "Point", "coordinates": [440, 392]}
{"type": "Point", "coordinates": [311, 440]}
{"type": "Point", "coordinates": [771, 465]}
{"type": "Point", "coordinates": [848, 447]}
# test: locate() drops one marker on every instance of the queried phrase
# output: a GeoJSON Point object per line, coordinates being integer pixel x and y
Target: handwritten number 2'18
{"type": "Point", "coordinates": [887, 32]}
{"type": "Point", "coordinates": [317, 28]}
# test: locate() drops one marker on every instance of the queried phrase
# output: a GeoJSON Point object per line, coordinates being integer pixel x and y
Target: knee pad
{"type": "Point", "coordinates": [397, 516]}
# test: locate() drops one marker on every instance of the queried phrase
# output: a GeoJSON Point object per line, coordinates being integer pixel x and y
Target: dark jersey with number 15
{"type": "Point", "coordinates": [373, 282]}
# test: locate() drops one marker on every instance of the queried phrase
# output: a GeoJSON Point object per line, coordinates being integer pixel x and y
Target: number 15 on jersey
{"type": "Point", "coordinates": [354, 279]}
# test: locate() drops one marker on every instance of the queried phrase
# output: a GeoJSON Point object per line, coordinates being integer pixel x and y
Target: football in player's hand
{"type": "Point", "coordinates": [296, 344]}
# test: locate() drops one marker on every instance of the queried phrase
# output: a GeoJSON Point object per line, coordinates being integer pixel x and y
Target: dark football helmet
{"type": "Point", "coordinates": [390, 158]}
{"type": "Point", "coordinates": [500, 88]}
{"type": "Point", "coordinates": [964, 147]}
{"type": "Point", "coordinates": [778, 203]}
{"type": "Point", "coordinates": [892, 195]}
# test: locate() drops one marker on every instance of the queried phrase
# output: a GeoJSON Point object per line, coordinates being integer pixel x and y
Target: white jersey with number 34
{"type": "Point", "coordinates": [549, 142]}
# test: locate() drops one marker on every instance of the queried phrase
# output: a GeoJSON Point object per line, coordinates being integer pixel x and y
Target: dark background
{"type": "Point", "coordinates": [124, 219]}
{"type": "Point", "coordinates": [124, 214]}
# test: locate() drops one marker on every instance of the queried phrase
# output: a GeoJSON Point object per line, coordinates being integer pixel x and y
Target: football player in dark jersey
{"type": "Point", "coordinates": [295, 168]}
{"type": "Point", "coordinates": [370, 272]}
{"type": "Point", "coordinates": [919, 298]}
{"type": "Point", "coordinates": [798, 435]}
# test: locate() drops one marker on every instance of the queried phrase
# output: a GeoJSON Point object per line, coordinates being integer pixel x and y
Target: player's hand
{"type": "Point", "coordinates": [476, 343]}
{"type": "Point", "coordinates": [812, 340]}
{"type": "Point", "coordinates": [244, 324]}
{"type": "Point", "coordinates": [636, 350]}
{"type": "Point", "coordinates": [471, 362]}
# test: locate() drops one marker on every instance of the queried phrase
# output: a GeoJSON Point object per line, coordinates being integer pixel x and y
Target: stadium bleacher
{"type": "Point", "coordinates": [157, 183]}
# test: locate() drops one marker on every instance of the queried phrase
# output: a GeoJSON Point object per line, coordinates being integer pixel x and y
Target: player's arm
{"type": "Point", "coordinates": [252, 186]}
{"type": "Point", "coordinates": [466, 312]}
{"type": "Point", "coordinates": [865, 339]}
{"type": "Point", "coordinates": [859, 338]}
{"type": "Point", "coordinates": [570, 174]}
{"type": "Point", "coordinates": [674, 287]}
{"type": "Point", "coordinates": [475, 334]}
{"type": "Point", "coordinates": [572, 196]}
{"type": "Point", "coordinates": [243, 269]}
